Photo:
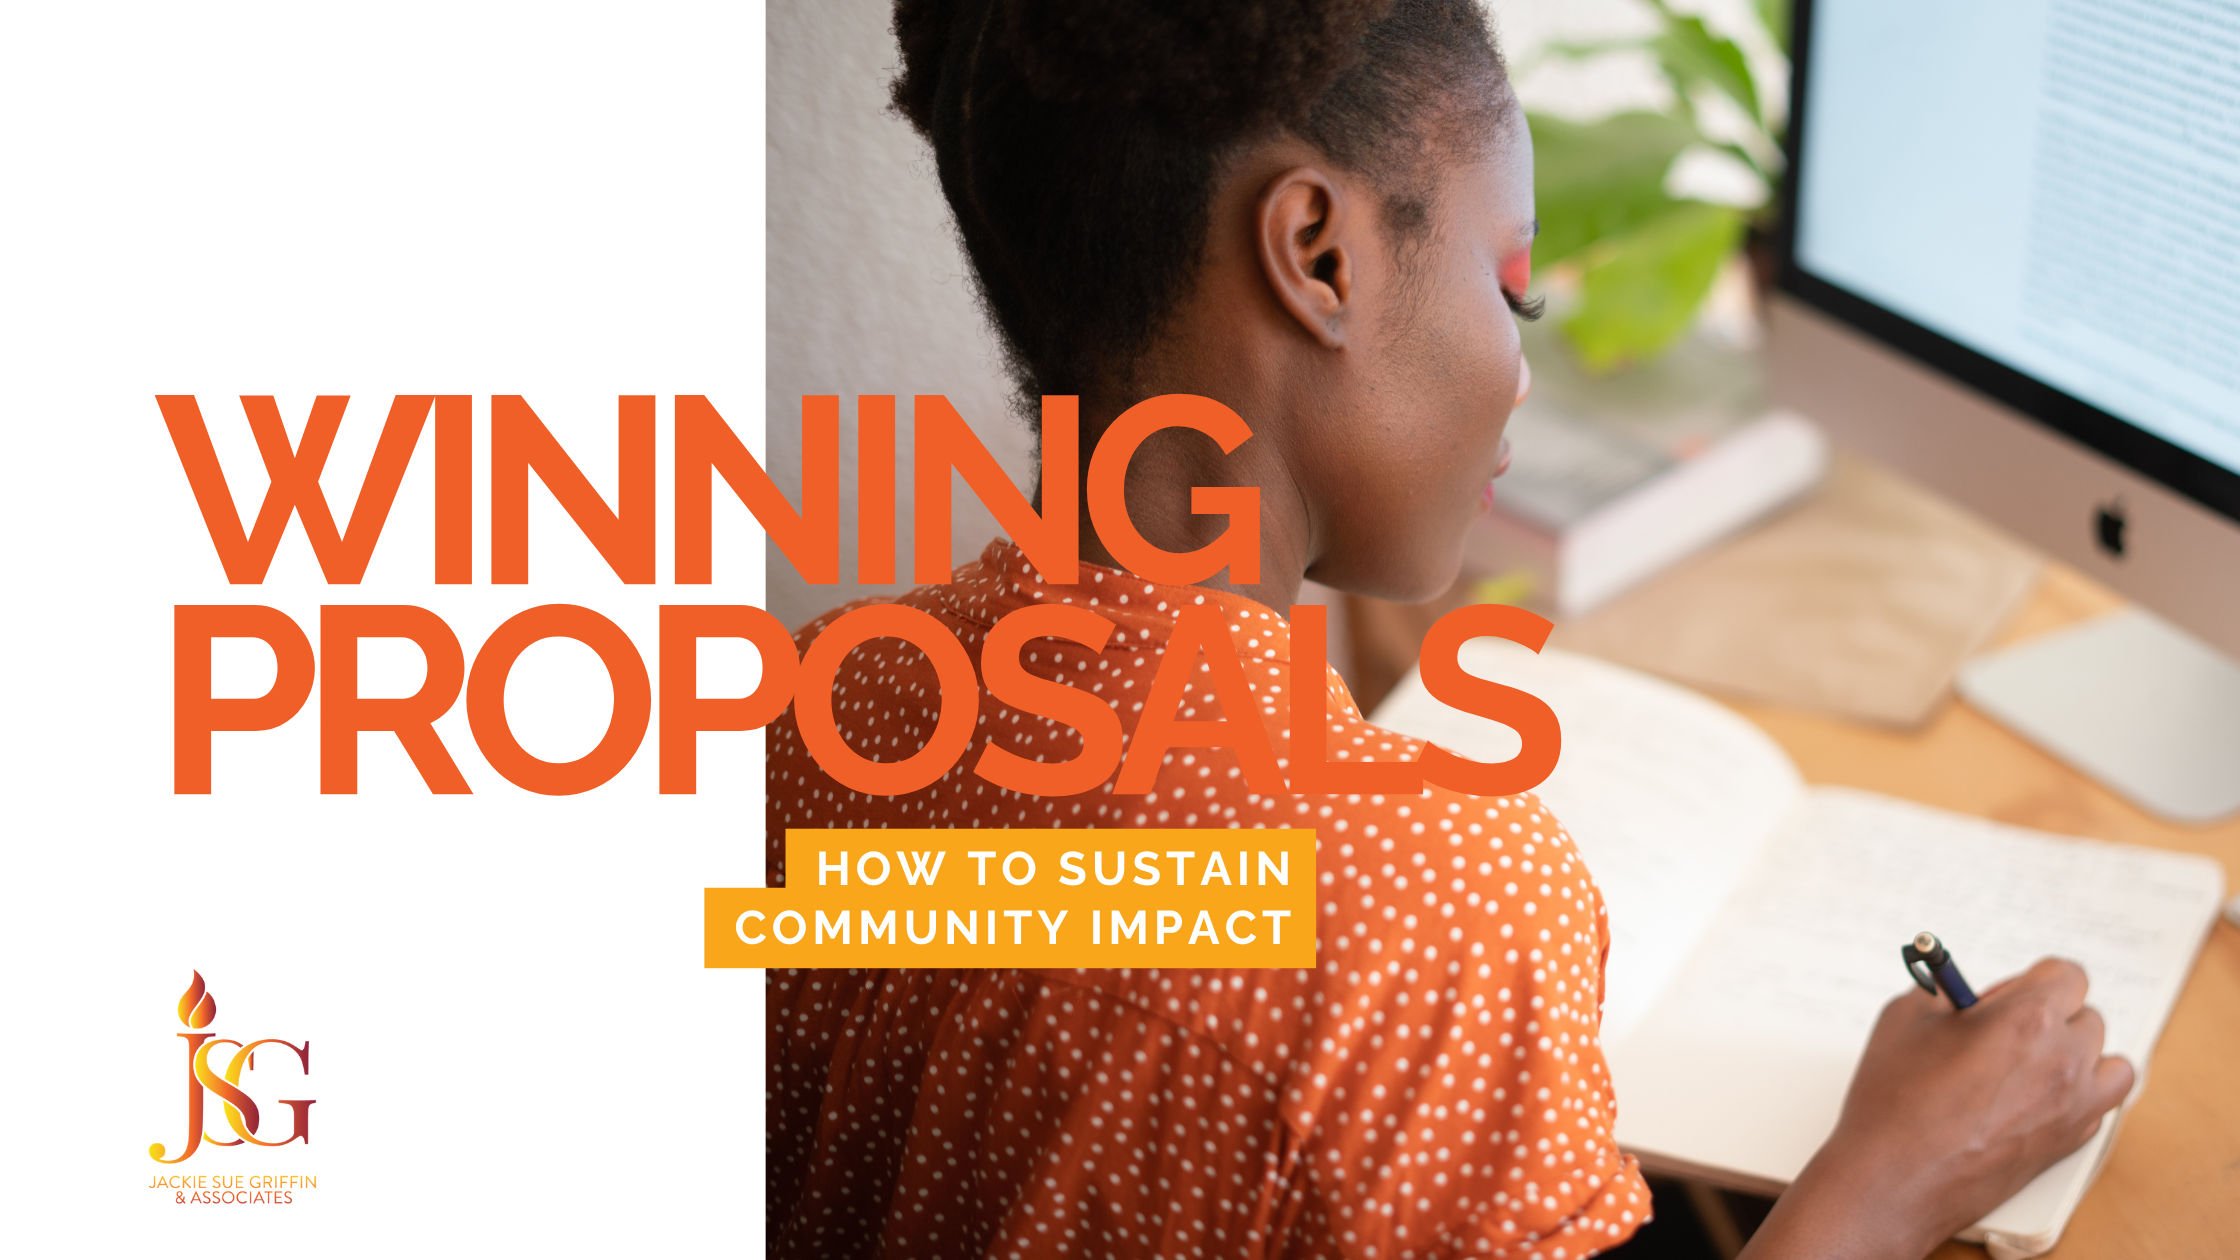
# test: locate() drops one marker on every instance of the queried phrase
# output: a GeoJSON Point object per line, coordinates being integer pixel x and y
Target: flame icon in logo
{"type": "Point", "coordinates": [196, 1006]}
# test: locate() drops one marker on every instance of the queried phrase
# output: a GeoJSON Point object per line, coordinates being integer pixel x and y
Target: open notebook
{"type": "Point", "coordinates": [1716, 861]}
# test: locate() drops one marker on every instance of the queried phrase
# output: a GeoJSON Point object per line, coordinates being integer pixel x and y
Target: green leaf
{"type": "Point", "coordinates": [1579, 50]}
{"type": "Point", "coordinates": [1599, 179]}
{"type": "Point", "coordinates": [1747, 158]}
{"type": "Point", "coordinates": [1644, 294]}
{"type": "Point", "coordinates": [1775, 14]}
{"type": "Point", "coordinates": [1691, 54]}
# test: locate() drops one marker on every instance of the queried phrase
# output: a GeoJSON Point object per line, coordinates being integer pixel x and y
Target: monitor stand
{"type": "Point", "coordinates": [2128, 699]}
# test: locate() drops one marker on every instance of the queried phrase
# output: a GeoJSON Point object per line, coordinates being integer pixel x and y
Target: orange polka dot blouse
{"type": "Point", "coordinates": [1433, 1087]}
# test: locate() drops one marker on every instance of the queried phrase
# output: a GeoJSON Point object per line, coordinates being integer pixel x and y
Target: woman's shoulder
{"type": "Point", "coordinates": [1484, 875]}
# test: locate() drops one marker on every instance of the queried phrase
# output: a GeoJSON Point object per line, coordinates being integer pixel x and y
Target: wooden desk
{"type": "Point", "coordinates": [2172, 1186]}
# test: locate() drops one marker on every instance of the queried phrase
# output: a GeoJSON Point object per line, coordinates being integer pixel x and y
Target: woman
{"type": "Point", "coordinates": [1320, 215]}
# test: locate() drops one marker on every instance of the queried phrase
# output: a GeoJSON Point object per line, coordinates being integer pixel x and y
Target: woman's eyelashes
{"type": "Point", "coordinates": [1527, 309]}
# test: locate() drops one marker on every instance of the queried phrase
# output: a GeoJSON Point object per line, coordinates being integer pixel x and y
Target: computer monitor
{"type": "Point", "coordinates": [2010, 268]}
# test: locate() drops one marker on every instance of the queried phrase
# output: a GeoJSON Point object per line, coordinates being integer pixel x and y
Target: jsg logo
{"type": "Point", "coordinates": [197, 1008]}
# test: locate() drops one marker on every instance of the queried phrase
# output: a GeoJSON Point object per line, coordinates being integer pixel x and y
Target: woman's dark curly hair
{"type": "Point", "coordinates": [1078, 141]}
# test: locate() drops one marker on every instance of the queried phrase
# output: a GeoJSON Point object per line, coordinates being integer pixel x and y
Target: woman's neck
{"type": "Point", "coordinates": [1171, 463]}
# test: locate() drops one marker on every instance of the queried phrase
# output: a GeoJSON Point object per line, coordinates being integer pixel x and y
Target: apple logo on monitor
{"type": "Point", "coordinates": [2108, 528]}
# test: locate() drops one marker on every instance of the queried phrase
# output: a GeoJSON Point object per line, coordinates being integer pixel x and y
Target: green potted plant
{"type": "Point", "coordinates": [1639, 260]}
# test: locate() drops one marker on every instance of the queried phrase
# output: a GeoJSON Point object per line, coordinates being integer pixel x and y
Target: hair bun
{"type": "Point", "coordinates": [922, 30]}
{"type": "Point", "coordinates": [1196, 64]}
{"type": "Point", "coordinates": [1199, 66]}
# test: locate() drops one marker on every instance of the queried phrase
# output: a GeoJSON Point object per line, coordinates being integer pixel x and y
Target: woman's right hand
{"type": "Point", "coordinates": [1950, 1113]}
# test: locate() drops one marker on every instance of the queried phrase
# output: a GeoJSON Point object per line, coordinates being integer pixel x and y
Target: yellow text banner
{"type": "Point", "coordinates": [1026, 897]}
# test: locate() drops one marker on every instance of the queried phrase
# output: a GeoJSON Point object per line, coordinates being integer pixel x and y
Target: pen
{"type": "Point", "coordinates": [1930, 964]}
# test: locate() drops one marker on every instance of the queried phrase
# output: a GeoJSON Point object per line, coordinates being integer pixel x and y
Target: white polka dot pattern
{"type": "Point", "coordinates": [1433, 1087]}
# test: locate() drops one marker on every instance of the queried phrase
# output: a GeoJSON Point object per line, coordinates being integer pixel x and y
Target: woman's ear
{"type": "Point", "coordinates": [1307, 251]}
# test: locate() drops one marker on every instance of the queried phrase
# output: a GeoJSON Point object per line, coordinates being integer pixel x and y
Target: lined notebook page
{"type": "Point", "coordinates": [1744, 1061]}
{"type": "Point", "coordinates": [1669, 796]}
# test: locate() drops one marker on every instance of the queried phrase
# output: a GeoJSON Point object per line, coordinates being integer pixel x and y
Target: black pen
{"type": "Point", "coordinates": [1930, 964]}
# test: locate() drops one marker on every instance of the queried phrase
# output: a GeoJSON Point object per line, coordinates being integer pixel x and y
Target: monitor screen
{"type": "Point", "coordinates": [2042, 197]}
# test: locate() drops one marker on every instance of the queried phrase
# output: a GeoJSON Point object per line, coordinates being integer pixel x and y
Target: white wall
{"type": "Point", "coordinates": [868, 292]}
